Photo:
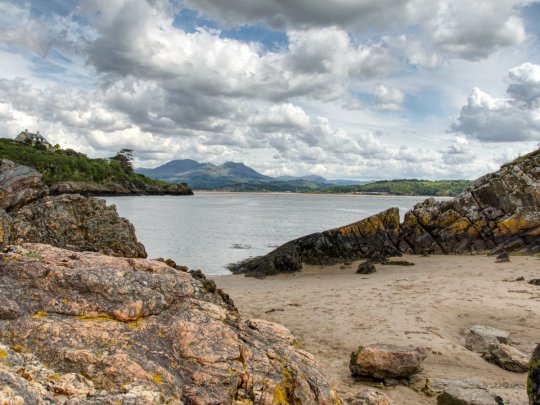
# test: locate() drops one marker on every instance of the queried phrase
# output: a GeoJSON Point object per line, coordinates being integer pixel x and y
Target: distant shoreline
{"type": "Point", "coordinates": [195, 192]}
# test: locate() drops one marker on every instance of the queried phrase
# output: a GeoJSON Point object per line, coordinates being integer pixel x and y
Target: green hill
{"type": "Point", "coordinates": [59, 166]}
{"type": "Point", "coordinates": [406, 187]}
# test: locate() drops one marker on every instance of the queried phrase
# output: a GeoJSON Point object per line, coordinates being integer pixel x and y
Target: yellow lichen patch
{"type": "Point", "coordinates": [512, 225]}
{"type": "Point", "coordinates": [280, 396]}
{"type": "Point", "coordinates": [39, 314]}
{"type": "Point", "coordinates": [156, 377]}
{"type": "Point", "coordinates": [3, 354]}
{"type": "Point", "coordinates": [135, 325]}
{"type": "Point", "coordinates": [18, 348]}
{"type": "Point", "coordinates": [54, 377]}
{"type": "Point", "coordinates": [101, 317]}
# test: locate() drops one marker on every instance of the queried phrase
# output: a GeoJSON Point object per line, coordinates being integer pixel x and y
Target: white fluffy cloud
{"type": "Point", "coordinates": [128, 73]}
{"type": "Point", "coordinates": [515, 118]}
{"type": "Point", "coordinates": [388, 99]}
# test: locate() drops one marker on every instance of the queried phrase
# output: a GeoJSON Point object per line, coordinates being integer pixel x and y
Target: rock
{"type": "Point", "coordinates": [370, 397]}
{"type": "Point", "coordinates": [101, 329]}
{"type": "Point", "coordinates": [366, 267]}
{"type": "Point", "coordinates": [503, 258]}
{"type": "Point", "coordinates": [376, 236]}
{"type": "Point", "coordinates": [118, 187]}
{"type": "Point", "coordinates": [77, 223]}
{"type": "Point", "coordinates": [19, 185]}
{"type": "Point", "coordinates": [70, 221]}
{"type": "Point", "coordinates": [468, 396]}
{"type": "Point", "coordinates": [507, 357]}
{"type": "Point", "coordinates": [479, 337]}
{"type": "Point", "coordinates": [533, 379]}
{"type": "Point", "coordinates": [383, 361]}
{"type": "Point", "coordinates": [437, 385]}
{"type": "Point", "coordinates": [500, 209]}
{"type": "Point", "coordinates": [535, 281]}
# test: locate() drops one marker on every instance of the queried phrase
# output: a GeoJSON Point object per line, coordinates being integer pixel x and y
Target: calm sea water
{"type": "Point", "coordinates": [210, 230]}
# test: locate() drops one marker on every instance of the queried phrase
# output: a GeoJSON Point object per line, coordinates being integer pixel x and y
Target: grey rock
{"type": "Point", "coordinates": [503, 258]}
{"type": "Point", "coordinates": [19, 185]}
{"type": "Point", "coordinates": [533, 378]}
{"type": "Point", "coordinates": [507, 357]}
{"type": "Point", "coordinates": [479, 337]}
{"type": "Point", "coordinates": [370, 397]}
{"type": "Point", "coordinates": [468, 396]}
{"type": "Point", "coordinates": [366, 267]}
{"type": "Point", "coordinates": [437, 385]}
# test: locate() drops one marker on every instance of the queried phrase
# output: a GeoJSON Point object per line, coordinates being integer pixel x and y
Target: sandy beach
{"type": "Point", "coordinates": [333, 310]}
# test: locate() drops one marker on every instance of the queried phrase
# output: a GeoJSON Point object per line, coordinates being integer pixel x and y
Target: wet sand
{"type": "Point", "coordinates": [333, 310]}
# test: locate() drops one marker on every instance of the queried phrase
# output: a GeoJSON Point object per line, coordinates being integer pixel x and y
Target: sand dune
{"type": "Point", "coordinates": [332, 311]}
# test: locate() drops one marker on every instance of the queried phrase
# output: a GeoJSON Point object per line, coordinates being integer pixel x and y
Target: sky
{"type": "Point", "coordinates": [345, 89]}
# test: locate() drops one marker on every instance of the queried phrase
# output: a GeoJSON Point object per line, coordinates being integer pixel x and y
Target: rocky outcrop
{"type": "Point", "coordinates": [382, 361]}
{"type": "Point", "coordinates": [501, 209]}
{"type": "Point", "coordinates": [112, 188]}
{"type": "Point", "coordinates": [373, 237]}
{"type": "Point", "coordinates": [533, 379]}
{"type": "Point", "coordinates": [70, 221]}
{"type": "Point", "coordinates": [77, 223]}
{"type": "Point", "coordinates": [99, 329]}
{"type": "Point", "coordinates": [19, 185]}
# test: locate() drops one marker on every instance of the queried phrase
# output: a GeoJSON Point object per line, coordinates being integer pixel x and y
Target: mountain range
{"type": "Point", "coordinates": [234, 176]}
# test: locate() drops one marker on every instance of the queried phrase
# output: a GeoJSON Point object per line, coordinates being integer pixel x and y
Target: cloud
{"type": "Point", "coordinates": [524, 84]}
{"type": "Point", "coordinates": [457, 28]}
{"type": "Point", "coordinates": [511, 119]}
{"type": "Point", "coordinates": [474, 30]}
{"type": "Point", "coordinates": [388, 99]}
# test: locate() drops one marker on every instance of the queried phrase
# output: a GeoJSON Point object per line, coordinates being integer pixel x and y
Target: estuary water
{"type": "Point", "coordinates": [209, 230]}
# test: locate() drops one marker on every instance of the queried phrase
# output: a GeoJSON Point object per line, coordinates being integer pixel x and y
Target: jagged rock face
{"type": "Point", "coordinates": [112, 188]}
{"type": "Point", "coordinates": [101, 329]}
{"type": "Point", "coordinates": [533, 379]}
{"type": "Point", "coordinates": [77, 223]}
{"type": "Point", "coordinates": [27, 214]}
{"type": "Point", "coordinates": [501, 209]}
{"type": "Point", "coordinates": [19, 185]}
{"type": "Point", "coordinates": [376, 236]}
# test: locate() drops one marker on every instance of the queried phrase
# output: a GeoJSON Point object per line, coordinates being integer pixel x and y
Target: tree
{"type": "Point", "coordinates": [125, 159]}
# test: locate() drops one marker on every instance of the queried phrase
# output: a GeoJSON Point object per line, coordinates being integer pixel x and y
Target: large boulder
{"type": "Point", "coordinates": [382, 361]}
{"type": "Point", "coordinates": [375, 236]}
{"type": "Point", "coordinates": [468, 396]}
{"type": "Point", "coordinates": [533, 379]}
{"type": "Point", "coordinates": [19, 185]}
{"type": "Point", "coordinates": [507, 357]}
{"type": "Point", "coordinates": [479, 337]}
{"type": "Point", "coordinates": [500, 209]}
{"type": "Point", "coordinates": [77, 223]}
{"type": "Point", "coordinates": [100, 329]}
